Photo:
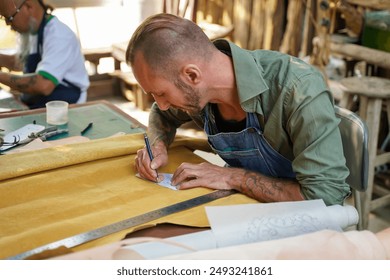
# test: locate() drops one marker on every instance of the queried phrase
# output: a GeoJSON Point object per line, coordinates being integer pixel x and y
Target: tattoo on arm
{"type": "Point", "coordinates": [266, 189]}
{"type": "Point", "coordinates": [22, 83]}
{"type": "Point", "coordinates": [161, 130]}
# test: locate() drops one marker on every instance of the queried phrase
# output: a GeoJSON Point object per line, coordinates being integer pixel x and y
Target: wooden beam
{"type": "Point", "coordinates": [369, 55]}
{"type": "Point", "coordinates": [373, 4]}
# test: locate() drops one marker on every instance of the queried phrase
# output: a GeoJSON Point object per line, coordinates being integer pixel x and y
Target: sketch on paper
{"type": "Point", "coordinates": [275, 227]}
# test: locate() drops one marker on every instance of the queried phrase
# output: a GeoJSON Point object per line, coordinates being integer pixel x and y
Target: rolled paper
{"type": "Point", "coordinates": [249, 223]}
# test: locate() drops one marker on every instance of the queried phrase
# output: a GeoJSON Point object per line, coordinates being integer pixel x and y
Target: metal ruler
{"type": "Point", "coordinates": [81, 238]}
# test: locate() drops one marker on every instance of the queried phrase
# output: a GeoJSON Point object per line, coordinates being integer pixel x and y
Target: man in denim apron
{"type": "Point", "coordinates": [53, 64]}
{"type": "Point", "coordinates": [270, 116]}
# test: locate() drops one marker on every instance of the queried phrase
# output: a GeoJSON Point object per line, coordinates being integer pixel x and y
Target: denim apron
{"type": "Point", "coordinates": [69, 93]}
{"type": "Point", "coordinates": [248, 148]}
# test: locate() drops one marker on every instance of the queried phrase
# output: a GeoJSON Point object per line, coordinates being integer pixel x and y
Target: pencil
{"type": "Point", "coordinates": [149, 149]}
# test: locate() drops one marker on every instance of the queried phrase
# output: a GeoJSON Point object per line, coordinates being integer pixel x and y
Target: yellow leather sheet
{"type": "Point", "coordinates": [58, 192]}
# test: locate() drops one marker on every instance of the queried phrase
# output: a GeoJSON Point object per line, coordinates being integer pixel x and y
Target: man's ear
{"type": "Point", "coordinates": [191, 74]}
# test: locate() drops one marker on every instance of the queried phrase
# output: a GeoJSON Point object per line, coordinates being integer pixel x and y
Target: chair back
{"type": "Point", "coordinates": [354, 136]}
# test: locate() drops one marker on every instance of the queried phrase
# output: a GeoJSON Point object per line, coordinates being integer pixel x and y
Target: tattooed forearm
{"type": "Point", "coordinates": [23, 83]}
{"type": "Point", "coordinates": [160, 129]}
{"type": "Point", "coordinates": [267, 189]}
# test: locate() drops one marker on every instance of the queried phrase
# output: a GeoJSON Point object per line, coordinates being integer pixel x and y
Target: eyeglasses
{"type": "Point", "coordinates": [9, 20]}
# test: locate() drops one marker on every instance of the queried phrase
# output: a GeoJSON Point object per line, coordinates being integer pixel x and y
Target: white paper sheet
{"type": "Point", "coordinates": [197, 241]}
{"type": "Point", "coordinates": [5, 94]}
{"type": "Point", "coordinates": [166, 182]}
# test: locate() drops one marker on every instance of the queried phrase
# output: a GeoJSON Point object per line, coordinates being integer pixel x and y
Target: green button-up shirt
{"type": "Point", "coordinates": [296, 111]}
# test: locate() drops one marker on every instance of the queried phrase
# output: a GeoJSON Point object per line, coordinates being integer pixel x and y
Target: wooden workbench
{"type": "Point", "coordinates": [107, 120]}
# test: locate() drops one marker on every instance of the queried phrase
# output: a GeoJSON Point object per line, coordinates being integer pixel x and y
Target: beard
{"type": "Point", "coordinates": [23, 47]}
{"type": "Point", "coordinates": [24, 42]}
{"type": "Point", "coordinates": [191, 96]}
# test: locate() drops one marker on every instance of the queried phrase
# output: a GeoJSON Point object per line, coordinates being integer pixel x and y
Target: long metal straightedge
{"type": "Point", "coordinates": [81, 238]}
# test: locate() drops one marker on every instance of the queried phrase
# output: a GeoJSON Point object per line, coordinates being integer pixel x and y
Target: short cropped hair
{"type": "Point", "coordinates": [165, 38]}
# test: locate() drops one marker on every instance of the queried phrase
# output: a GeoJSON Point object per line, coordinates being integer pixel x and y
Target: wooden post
{"type": "Point", "coordinates": [257, 25]}
{"type": "Point", "coordinates": [307, 28]}
{"type": "Point", "coordinates": [227, 15]}
{"type": "Point", "coordinates": [293, 33]}
{"type": "Point", "coordinates": [242, 16]}
{"type": "Point", "coordinates": [275, 11]}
